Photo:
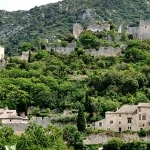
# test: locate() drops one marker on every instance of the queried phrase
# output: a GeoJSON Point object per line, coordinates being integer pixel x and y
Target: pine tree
{"type": "Point", "coordinates": [81, 124]}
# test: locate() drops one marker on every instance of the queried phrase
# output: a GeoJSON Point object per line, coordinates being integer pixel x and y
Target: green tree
{"type": "Point", "coordinates": [113, 144]}
{"type": "Point", "coordinates": [26, 46]}
{"type": "Point", "coordinates": [73, 137]}
{"type": "Point", "coordinates": [81, 123]}
{"type": "Point", "coordinates": [39, 138]}
{"type": "Point", "coordinates": [7, 137]}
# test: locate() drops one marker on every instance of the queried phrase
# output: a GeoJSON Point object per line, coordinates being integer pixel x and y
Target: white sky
{"type": "Point", "coordinates": [13, 5]}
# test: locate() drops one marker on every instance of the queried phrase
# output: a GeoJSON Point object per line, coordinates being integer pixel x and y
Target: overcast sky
{"type": "Point", "coordinates": [13, 5]}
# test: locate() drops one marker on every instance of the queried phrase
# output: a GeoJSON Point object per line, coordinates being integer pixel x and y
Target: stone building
{"type": "Point", "coordinates": [142, 32]}
{"type": "Point", "coordinates": [77, 29]}
{"type": "Point", "coordinates": [10, 116]}
{"type": "Point", "coordinates": [98, 27]}
{"type": "Point", "coordinates": [128, 117]}
{"type": "Point", "coordinates": [1, 53]}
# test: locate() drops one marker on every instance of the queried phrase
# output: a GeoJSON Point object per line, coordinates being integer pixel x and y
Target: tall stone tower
{"type": "Point", "coordinates": [144, 30]}
{"type": "Point", "coordinates": [77, 29]}
{"type": "Point", "coordinates": [1, 53]}
{"type": "Point", "coordinates": [120, 29]}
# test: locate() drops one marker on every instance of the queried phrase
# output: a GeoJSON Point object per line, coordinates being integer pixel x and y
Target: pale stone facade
{"type": "Point", "coordinates": [128, 117]}
{"type": "Point", "coordinates": [10, 116]}
{"type": "Point", "coordinates": [142, 32]}
{"type": "Point", "coordinates": [77, 29]}
{"type": "Point", "coordinates": [1, 53]}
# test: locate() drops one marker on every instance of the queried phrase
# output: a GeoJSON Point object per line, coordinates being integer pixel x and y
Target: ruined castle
{"type": "Point", "coordinates": [142, 31]}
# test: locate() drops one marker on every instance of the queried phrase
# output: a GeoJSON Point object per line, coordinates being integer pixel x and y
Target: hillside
{"type": "Point", "coordinates": [54, 20]}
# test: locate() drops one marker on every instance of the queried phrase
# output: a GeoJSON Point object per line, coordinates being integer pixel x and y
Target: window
{"type": "Point", "coordinates": [119, 129]}
{"type": "Point", "coordinates": [119, 122]}
{"type": "Point", "coordinates": [143, 117]}
{"type": "Point", "coordinates": [129, 120]}
{"type": "Point", "coordinates": [139, 116]}
{"type": "Point", "coordinates": [119, 115]}
{"type": "Point", "coordinates": [145, 27]}
{"type": "Point", "coordinates": [129, 128]}
{"type": "Point", "coordinates": [111, 122]}
{"type": "Point", "coordinates": [139, 109]}
{"type": "Point", "coordinates": [100, 124]}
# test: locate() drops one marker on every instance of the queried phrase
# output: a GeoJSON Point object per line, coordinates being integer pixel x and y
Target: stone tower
{"type": "Point", "coordinates": [144, 30]}
{"type": "Point", "coordinates": [120, 29]}
{"type": "Point", "coordinates": [1, 53]}
{"type": "Point", "coordinates": [77, 29]}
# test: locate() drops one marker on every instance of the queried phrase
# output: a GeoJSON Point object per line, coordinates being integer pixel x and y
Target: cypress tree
{"type": "Point", "coordinates": [81, 124]}
{"type": "Point", "coordinates": [29, 57]}
{"type": "Point", "coordinates": [88, 105]}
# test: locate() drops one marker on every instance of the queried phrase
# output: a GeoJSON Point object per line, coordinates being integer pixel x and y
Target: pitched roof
{"type": "Point", "coordinates": [127, 109]}
{"type": "Point", "coordinates": [143, 105]}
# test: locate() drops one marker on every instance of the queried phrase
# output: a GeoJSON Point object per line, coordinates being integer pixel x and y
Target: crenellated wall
{"type": "Point", "coordinates": [22, 126]}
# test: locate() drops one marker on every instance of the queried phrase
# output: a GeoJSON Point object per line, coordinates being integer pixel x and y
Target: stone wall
{"type": "Point", "coordinates": [103, 138]}
{"type": "Point", "coordinates": [17, 126]}
{"type": "Point", "coordinates": [40, 121]}
{"type": "Point", "coordinates": [105, 51]}
{"type": "Point", "coordinates": [24, 56]}
{"type": "Point", "coordinates": [22, 126]}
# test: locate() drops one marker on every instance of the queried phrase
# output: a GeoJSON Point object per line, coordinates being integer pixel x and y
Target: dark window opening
{"type": "Point", "coordinates": [119, 129]}
{"type": "Point", "coordinates": [129, 120]}
{"type": "Point", "coordinates": [111, 122]}
{"type": "Point", "coordinates": [100, 124]}
{"type": "Point", "coordinates": [144, 117]}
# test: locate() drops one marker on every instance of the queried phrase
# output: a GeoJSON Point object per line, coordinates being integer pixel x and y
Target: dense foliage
{"type": "Point", "coordinates": [53, 80]}
{"type": "Point", "coordinates": [117, 144]}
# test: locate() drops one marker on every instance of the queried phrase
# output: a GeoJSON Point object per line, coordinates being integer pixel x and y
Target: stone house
{"type": "Point", "coordinates": [128, 117]}
{"type": "Point", "coordinates": [142, 31]}
{"type": "Point", "coordinates": [10, 116]}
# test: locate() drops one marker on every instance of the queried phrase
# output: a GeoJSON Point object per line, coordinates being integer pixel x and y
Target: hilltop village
{"type": "Point", "coordinates": [96, 79]}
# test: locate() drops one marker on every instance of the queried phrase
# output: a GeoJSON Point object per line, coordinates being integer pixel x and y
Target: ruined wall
{"type": "Point", "coordinates": [95, 28]}
{"type": "Point", "coordinates": [65, 50]}
{"type": "Point", "coordinates": [103, 138]}
{"type": "Point", "coordinates": [134, 31]}
{"type": "Point", "coordinates": [24, 56]}
{"type": "Point", "coordinates": [105, 51]}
